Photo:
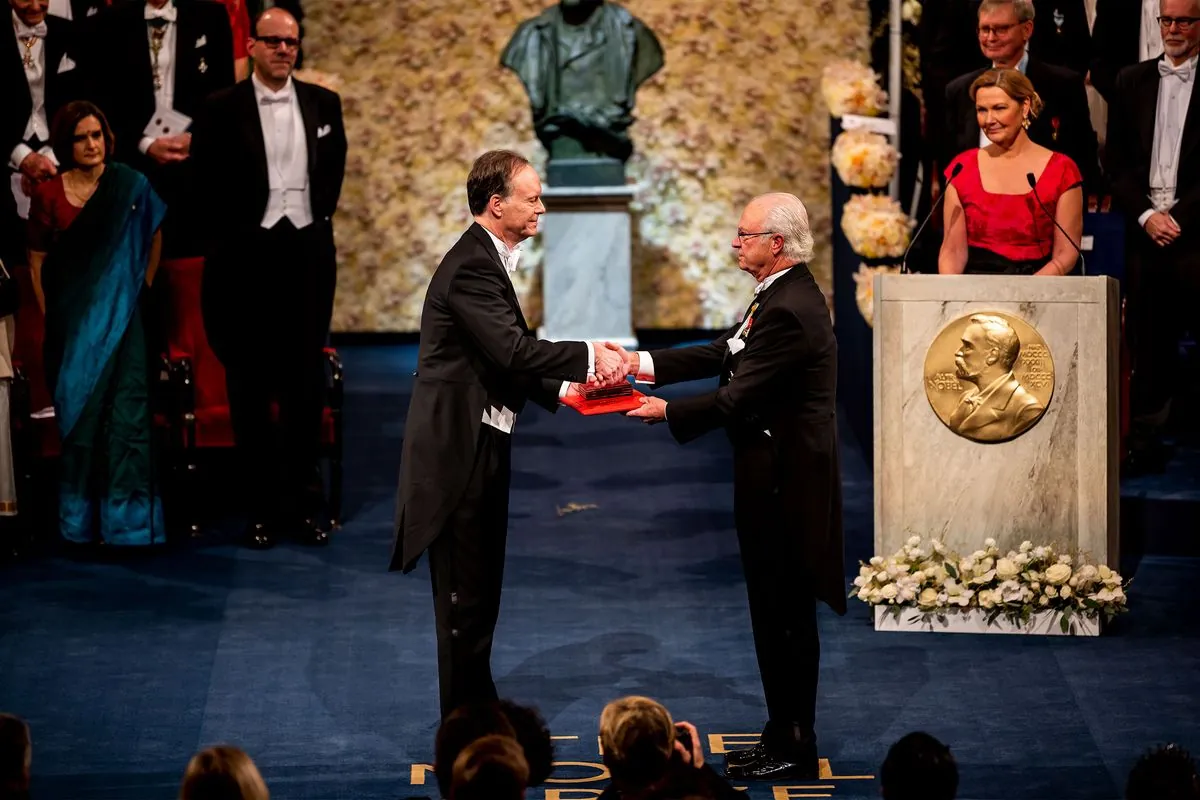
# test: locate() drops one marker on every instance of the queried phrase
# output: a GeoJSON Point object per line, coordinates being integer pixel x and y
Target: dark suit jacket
{"type": "Point", "coordinates": [1128, 150]}
{"type": "Point", "coordinates": [232, 186]}
{"type": "Point", "coordinates": [1065, 106]}
{"type": "Point", "coordinates": [1114, 42]}
{"type": "Point", "coordinates": [476, 351]}
{"type": "Point", "coordinates": [1067, 45]}
{"type": "Point", "coordinates": [120, 55]}
{"type": "Point", "coordinates": [783, 381]}
{"type": "Point", "coordinates": [61, 87]}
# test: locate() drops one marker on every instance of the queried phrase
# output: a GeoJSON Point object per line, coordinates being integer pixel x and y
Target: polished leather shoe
{"type": "Point", "coordinates": [312, 534]}
{"type": "Point", "coordinates": [258, 536]}
{"type": "Point", "coordinates": [770, 768]}
{"type": "Point", "coordinates": [742, 757]}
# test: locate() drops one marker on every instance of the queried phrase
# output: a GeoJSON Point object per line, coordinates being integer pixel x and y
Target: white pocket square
{"type": "Point", "coordinates": [66, 65]}
{"type": "Point", "coordinates": [203, 40]}
{"type": "Point", "coordinates": [91, 12]}
{"type": "Point", "coordinates": [323, 131]}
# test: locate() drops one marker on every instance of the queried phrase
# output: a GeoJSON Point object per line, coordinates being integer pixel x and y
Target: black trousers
{"type": "Point", "coordinates": [1162, 302]}
{"type": "Point", "coordinates": [783, 610]}
{"type": "Point", "coordinates": [466, 564]}
{"type": "Point", "coordinates": [278, 359]}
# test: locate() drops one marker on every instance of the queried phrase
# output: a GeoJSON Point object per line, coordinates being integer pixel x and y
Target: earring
{"type": "Point", "coordinates": [1025, 123]}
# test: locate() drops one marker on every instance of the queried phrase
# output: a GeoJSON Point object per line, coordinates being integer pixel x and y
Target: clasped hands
{"type": "Point", "coordinates": [614, 364]}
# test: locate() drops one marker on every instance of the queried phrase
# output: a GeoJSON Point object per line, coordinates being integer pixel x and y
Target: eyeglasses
{"type": "Point", "coordinates": [742, 237]}
{"type": "Point", "coordinates": [274, 42]}
{"type": "Point", "coordinates": [1184, 23]}
{"type": "Point", "coordinates": [999, 30]}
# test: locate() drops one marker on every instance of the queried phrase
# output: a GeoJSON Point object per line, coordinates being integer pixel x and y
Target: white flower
{"type": "Point", "coordinates": [1103, 596]}
{"type": "Point", "coordinates": [1011, 592]}
{"type": "Point", "coordinates": [953, 588]}
{"type": "Point", "coordinates": [1044, 601]}
{"type": "Point", "coordinates": [938, 547]}
{"type": "Point", "coordinates": [889, 592]}
{"type": "Point", "coordinates": [864, 593]}
{"type": "Point", "coordinates": [918, 576]}
{"type": "Point", "coordinates": [986, 577]}
{"type": "Point", "coordinates": [938, 574]}
{"type": "Point", "coordinates": [876, 561]}
{"type": "Point", "coordinates": [1058, 574]}
{"type": "Point", "coordinates": [1036, 586]}
{"type": "Point", "coordinates": [1119, 595]}
{"type": "Point", "coordinates": [907, 595]}
{"type": "Point", "coordinates": [1051, 591]}
{"type": "Point", "coordinates": [861, 581]}
{"type": "Point", "coordinates": [1066, 592]}
{"type": "Point", "coordinates": [1087, 573]}
{"type": "Point", "coordinates": [965, 565]}
{"type": "Point", "coordinates": [1064, 559]}
{"type": "Point", "coordinates": [1006, 569]}
{"type": "Point", "coordinates": [989, 542]}
{"type": "Point", "coordinates": [987, 598]}
{"type": "Point", "coordinates": [1104, 572]}
{"type": "Point", "coordinates": [928, 597]}
{"type": "Point", "coordinates": [1026, 546]}
{"type": "Point", "coordinates": [986, 564]}
{"type": "Point", "coordinates": [1040, 552]}
{"type": "Point", "coordinates": [882, 576]}
{"type": "Point", "coordinates": [913, 541]}
{"type": "Point", "coordinates": [1021, 559]}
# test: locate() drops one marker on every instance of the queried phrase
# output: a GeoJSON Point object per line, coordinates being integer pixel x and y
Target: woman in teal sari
{"type": "Point", "coordinates": [93, 239]}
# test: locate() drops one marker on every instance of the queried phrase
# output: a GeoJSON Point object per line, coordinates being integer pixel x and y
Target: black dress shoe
{"type": "Point", "coordinates": [258, 536]}
{"type": "Point", "coordinates": [770, 768]}
{"type": "Point", "coordinates": [742, 757]}
{"type": "Point", "coordinates": [312, 534]}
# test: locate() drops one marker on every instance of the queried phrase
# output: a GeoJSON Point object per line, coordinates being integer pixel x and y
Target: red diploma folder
{"type": "Point", "coordinates": [605, 405]}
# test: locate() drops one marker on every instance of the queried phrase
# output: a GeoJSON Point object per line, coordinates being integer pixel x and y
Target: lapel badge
{"type": "Point", "coordinates": [203, 66]}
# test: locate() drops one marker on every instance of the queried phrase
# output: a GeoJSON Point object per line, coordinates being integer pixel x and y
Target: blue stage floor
{"type": "Point", "coordinates": [321, 664]}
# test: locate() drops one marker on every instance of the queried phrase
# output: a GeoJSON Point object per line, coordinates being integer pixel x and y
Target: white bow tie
{"type": "Point", "coordinates": [511, 259]}
{"type": "Point", "coordinates": [760, 288]}
{"type": "Point", "coordinates": [167, 12]}
{"type": "Point", "coordinates": [37, 31]}
{"type": "Point", "coordinates": [270, 99]}
{"type": "Point", "coordinates": [1183, 72]}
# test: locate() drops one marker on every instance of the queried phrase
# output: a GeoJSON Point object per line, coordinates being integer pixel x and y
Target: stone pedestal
{"type": "Point", "coordinates": [586, 284]}
{"type": "Point", "coordinates": [1056, 483]}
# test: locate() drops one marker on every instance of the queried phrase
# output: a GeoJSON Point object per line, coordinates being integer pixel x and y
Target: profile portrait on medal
{"type": "Point", "coordinates": [997, 407]}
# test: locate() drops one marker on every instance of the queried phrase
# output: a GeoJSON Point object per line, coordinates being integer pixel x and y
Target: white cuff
{"type": "Point", "coordinates": [591, 359]}
{"type": "Point", "coordinates": [645, 367]}
{"type": "Point", "coordinates": [562, 390]}
{"type": "Point", "coordinates": [1145, 216]}
{"type": "Point", "coordinates": [19, 154]}
{"type": "Point", "coordinates": [145, 143]}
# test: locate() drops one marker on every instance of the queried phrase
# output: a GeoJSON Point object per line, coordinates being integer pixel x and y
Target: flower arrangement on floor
{"type": "Point", "coordinates": [863, 159]}
{"type": "Point", "coordinates": [852, 88]}
{"type": "Point", "coordinates": [864, 289]}
{"type": "Point", "coordinates": [935, 582]}
{"type": "Point", "coordinates": [876, 226]}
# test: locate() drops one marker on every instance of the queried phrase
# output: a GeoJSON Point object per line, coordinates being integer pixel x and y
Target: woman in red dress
{"type": "Point", "coordinates": [995, 224]}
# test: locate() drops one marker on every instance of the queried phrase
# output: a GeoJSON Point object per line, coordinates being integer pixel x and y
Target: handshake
{"type": "Point", "coordinates": [613, 364]}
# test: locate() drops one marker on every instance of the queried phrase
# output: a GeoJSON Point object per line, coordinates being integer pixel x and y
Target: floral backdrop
{"type": "Point", "coordinates": [735, 112]}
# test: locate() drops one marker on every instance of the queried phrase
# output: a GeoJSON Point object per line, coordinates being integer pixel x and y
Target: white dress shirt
{"type": "Point", "coordinates": [984, 141]}
{"type": "Point", "coordinates": [1149, 37]}
{"type": "Point", "coordinates": [646, 361]}
{"type": "Point", "coordinates": [287, 155]}
{"type": "Point", "coordinates": [164, 96]}
{"type": "Point", "coordinates": [37, 124]}
{"type": "Point", "coordinates": [1174, 97]}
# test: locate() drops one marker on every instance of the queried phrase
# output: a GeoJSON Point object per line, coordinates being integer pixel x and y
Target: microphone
{"type": "Point", "coordinates": [1033, 185]}
{"type": "Point", "coordinates": [953, 174]}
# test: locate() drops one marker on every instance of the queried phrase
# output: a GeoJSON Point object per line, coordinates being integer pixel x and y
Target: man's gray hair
{"type": "Point", "coordinates": [1022, 8]}
{"type": "Point", "coordinates": [788, 217]}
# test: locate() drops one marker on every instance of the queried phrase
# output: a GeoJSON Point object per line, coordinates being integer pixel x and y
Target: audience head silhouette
{"type": "Point", "coordinates": [16, 755]}
{"type": "Point", "coordinates": [533, 735]}
{"type": "Point", "coordinates": [919, 767]}
{"type": "Point", "coordinates": [491, 768]}
{"type": "Point", "coordinates": [637, 735]}
{"type": "Point", "coordinates": [223, 772]}
{"type": "Point", "coordinates": [1164, 773]}
{"type": "Point", "coordinates": [458, 731]}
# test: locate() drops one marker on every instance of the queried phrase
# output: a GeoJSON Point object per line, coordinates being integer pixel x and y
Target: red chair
{"type": "Point", "coordinates": [200, 407]}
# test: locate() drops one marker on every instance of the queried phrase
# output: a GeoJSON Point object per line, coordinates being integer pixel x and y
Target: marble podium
{"type": "Point", "coordinates": [1056, 482]}
{"type": "Point", "coordinates": [586, 282]}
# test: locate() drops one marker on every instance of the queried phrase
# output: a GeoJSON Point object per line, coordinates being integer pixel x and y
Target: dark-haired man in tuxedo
{"type": "Point", "coordinates": [1005, 28]}
{"type": "Point", "coordinates": [154, 59]}
{"type": "Point", "coordinates": [1153, 158]}
{"type": "Point", "coordinates": [40, 74]}
{"type": "Point", "coordinates": [270, 155]}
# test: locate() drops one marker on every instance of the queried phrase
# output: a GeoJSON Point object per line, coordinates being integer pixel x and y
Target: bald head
{"type": "Point", "coordinates": [274, 46]}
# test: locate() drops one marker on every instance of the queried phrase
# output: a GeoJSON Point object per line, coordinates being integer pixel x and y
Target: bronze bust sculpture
{"type": "Point", "coordinates": [581, 62]}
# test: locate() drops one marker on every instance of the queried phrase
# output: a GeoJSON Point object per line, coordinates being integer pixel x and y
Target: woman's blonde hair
{"type": "Point", "coordinates": [223, 772]}
{"type": "Point", "coordinates": [1014, 84]}
{"type": "Point", "coordinates": [637, 736]}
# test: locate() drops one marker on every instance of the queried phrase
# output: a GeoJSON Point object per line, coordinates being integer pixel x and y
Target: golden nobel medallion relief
{"type": "Point", "coordinates": [989, 376]}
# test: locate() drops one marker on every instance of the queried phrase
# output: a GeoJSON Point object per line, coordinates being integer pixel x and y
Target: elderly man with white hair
{"type": "Point", "coordinates": [778, 373]}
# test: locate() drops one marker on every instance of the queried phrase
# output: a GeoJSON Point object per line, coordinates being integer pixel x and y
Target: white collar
{"type": "Point", "coordinates": [25, 30]}
{"type": "Point", "coordinates": [261, 90]}
{"type": "Point", "coordinates": [168, 12]}
{"type": "Point", "coordinates": [767, 281]}
{"type": "Point", "coordinates": [510, 256]}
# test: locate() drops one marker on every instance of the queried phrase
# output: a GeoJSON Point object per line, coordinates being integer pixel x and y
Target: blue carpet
{"type": "Point", "coordinates": [321, 664]}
